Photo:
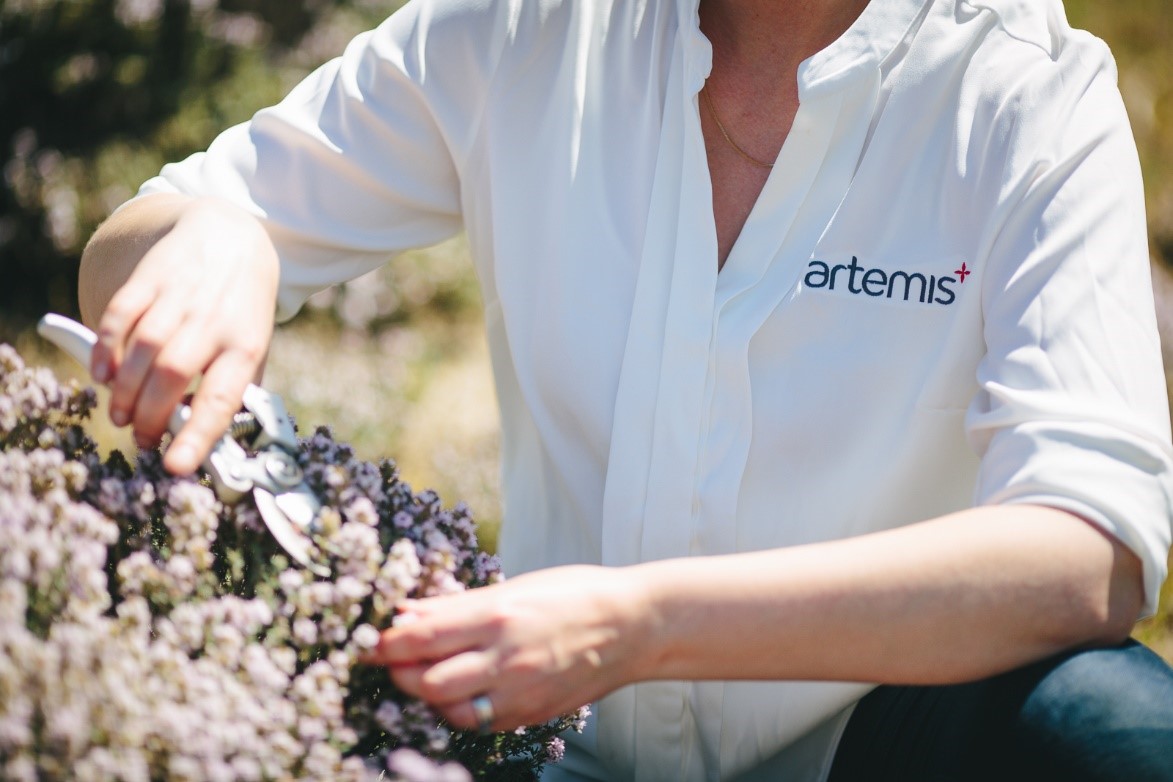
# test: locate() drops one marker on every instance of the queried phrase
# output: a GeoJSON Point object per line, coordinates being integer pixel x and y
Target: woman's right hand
{"type": "Point", "coordinates": [179, 287]}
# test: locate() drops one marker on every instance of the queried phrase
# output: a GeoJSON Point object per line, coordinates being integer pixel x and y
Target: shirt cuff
{"type": "Point", "coordinates": [1121, 483]}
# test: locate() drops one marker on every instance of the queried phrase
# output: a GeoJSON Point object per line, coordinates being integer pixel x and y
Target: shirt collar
{"type": "Point", "coordinates": [1026, 20]}
{"type": "Point", "coordinates": [870, 40]}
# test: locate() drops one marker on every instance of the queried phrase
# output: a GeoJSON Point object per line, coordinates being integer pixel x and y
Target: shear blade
{"type": "Point", "coordinates": [299, 508]}
{"type": "Point", "coordinates": [295, 543]}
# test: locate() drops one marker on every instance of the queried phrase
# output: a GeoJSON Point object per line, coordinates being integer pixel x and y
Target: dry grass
{"type": "Point", "coordinates": [422, 395]}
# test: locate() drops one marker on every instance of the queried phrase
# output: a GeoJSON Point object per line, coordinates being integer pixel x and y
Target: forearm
{"type": "Point", "coordinates": [957, 598]}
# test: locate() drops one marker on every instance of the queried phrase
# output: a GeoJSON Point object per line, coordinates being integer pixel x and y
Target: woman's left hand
{"type": "Point", "coordinates": [537, 645]}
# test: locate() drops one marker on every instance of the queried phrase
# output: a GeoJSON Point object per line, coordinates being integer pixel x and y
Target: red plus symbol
{"type": "Point", "coordinates": [962, 272]}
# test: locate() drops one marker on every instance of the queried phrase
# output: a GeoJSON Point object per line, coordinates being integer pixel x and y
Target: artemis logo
{"type": "Point", "coordinates": [906, 286]}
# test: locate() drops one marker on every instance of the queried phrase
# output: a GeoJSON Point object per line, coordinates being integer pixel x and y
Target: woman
{"type": "Point", "coordinates": [824, 346]}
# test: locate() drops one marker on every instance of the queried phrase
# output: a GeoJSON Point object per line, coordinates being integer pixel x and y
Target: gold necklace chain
{"type": "Point", "coordinates": [725, 133]}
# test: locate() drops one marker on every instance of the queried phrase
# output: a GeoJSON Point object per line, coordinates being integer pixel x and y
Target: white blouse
{"type": "Point", "coordinates": [940, 299]}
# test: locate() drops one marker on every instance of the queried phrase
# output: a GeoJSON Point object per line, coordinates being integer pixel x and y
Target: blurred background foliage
{"type": "Point", "coordinates": [96, 95]}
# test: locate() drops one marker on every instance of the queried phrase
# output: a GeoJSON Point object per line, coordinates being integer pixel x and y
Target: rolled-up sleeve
{"type": "Point", "coordinates": [1073, 409]}
{"type": "Point", "coordinates": [361, 160]}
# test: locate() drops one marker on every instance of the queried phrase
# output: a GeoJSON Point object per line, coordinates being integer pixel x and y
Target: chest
{"type": "Point", "coordinates": [739, 170]}
{"type": "Point", "coordinates": [599, 253]}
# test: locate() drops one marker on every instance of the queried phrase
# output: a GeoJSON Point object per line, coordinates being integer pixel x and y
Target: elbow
{"type": "Point", "coordinates": [1098, 592]}
{"type": "Point", "coordinates": [1114, 602]}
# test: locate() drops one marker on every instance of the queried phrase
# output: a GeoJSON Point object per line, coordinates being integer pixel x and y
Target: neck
{"type": "Point", "coordinates": [752, 94]}
{"type": "Point", "coordinates": [750, 33]}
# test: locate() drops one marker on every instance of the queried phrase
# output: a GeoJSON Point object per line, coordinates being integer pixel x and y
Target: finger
{"type": "Point", "coordinates": [409, 677]}
{"type": "Point", "coordinates": [167, 381]}
{"type": "Point", "coordinates": [464, 715]}
{"type": "Point", "coordinates": [448, 681]}
{"type": "Point", "coordinates": [115, 329]}
{"type": "Point", "coordinates": [509, 711]}
{"type": "Point", "coordinates": [435, 636]}
{"type": "Point", "coordinates": [152, 332]}
{"type": "Point", "coordinates": [118, 320]}
{"type": "Point", "coordinates": [215, 402]}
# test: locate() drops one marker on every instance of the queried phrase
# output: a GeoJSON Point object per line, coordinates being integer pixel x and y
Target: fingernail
{"type": "Point", "coordinates": [119, 417]}
{"type": "Point", "coordinates": [102, 373]}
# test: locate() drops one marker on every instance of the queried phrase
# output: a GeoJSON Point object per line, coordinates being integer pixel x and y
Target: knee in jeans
{"type": "Point", "coordinates": [1099, 712]}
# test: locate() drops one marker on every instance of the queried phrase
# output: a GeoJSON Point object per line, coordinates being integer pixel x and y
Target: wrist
{"type": "Point", "coordinates": [649, 635]}
{"type": "Point", "coordinates": [226, 223]}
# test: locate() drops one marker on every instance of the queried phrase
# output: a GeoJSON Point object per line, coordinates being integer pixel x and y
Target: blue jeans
{"type": "Point", "coordinates": [1103, 714]}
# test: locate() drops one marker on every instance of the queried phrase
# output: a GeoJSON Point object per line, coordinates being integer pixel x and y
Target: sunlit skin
{"type": "Point", "coordinates": [945, 600]}
{"type": "Point", "coordinates": [176, 287]}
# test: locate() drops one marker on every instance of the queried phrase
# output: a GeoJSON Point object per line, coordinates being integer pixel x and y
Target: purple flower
{"type": "Point", "coordinates": [206, 655]}
{"type": "Point", "coordinates": [410, 766]}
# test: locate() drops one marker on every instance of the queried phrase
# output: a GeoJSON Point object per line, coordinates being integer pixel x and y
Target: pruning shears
{"type": "Point", "coordinates": [257, 454]}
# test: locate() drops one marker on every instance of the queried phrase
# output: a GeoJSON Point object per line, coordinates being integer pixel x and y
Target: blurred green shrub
{"type": "Point", "coordinates": [95, 95]}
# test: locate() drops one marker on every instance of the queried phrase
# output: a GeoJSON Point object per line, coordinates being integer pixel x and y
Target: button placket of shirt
{"type": "Point", "coordinates": [786, 223]}
{"type": "Point", "coordinates": [725, 435]}
{"type": "Point", "coordinates": [648, 490]}
{"type": "Point", "coordinates": [679, 408]}
{"type": "Point", "coordinates": [673, 284]}
{"type": "Point", "coordinates": [781, 233]}
{"type": "Point", "coordinates": [839, 88]}
{"type": "Point", "coordinates": [766, 232]}
{"type": "Point", "coordinates": [689, 330]}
